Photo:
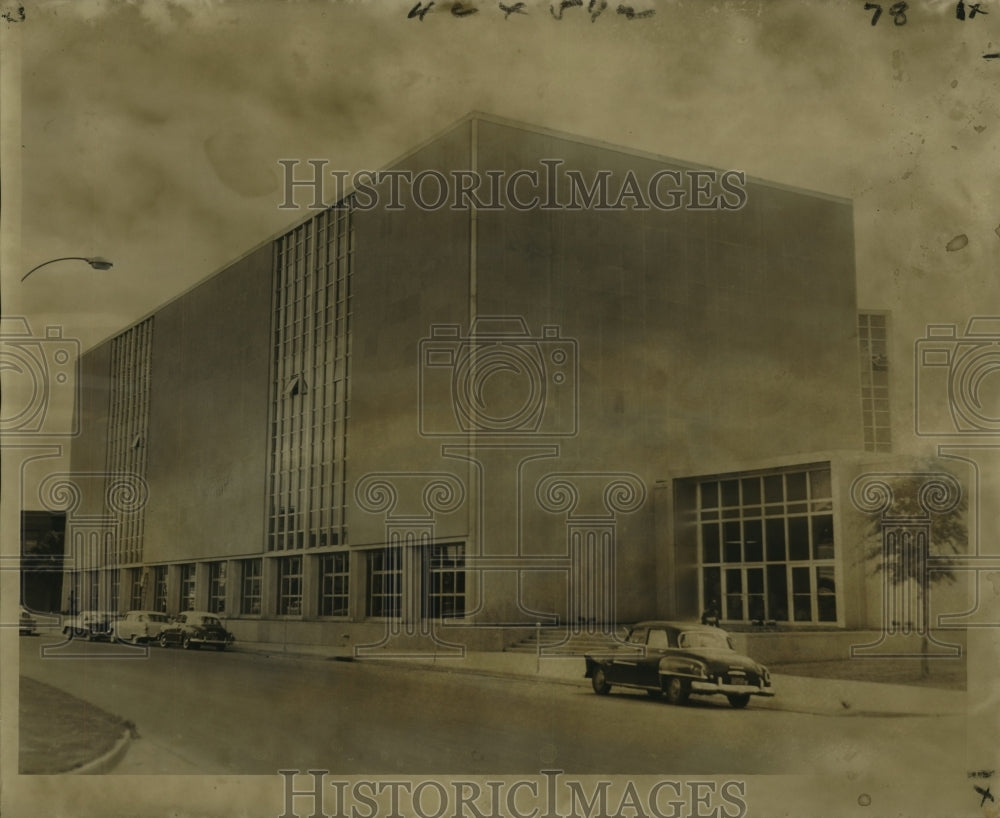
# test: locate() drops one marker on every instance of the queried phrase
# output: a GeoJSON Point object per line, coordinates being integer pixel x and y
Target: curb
{"type": "Point", "coordinates": [830, 710]}
{"type": "Point", "coordinates": [109, 760]}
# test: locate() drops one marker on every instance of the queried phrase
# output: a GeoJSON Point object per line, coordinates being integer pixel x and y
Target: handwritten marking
{"type": "Point", "coordinates": [897, 11]}
{"type": "Point", "coordinates": [517, 8]}
{"type": "Point", "coordinates": [417, 11]}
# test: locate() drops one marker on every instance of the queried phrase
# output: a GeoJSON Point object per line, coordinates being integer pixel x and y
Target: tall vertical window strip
{"type": "Point", "coordinates": [874, 358]}
{"type": "Point", "coordinates": [128, 426]}
{"type": "Point", "coordinates": [310, 387]}
{"type": "Point", "coordinates": [767, 546]}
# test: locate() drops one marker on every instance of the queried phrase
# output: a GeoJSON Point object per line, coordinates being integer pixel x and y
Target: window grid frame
{"type": "Point", "coordinates": [311, 314]}
{"type": "Point", "coordinates": [189, 586]}
{"type": "Point", "coordinates": [251, 586]}
{"type": "Point", "coordinates": [128, 428]}
{"type": "Point", "coordinates": [442, 569]}
{"type": "Point", "coordinates": [217, 574]}
{"type": "Point", "coordinates": [160, 588]}
{"type": "Point", "coordinates": [809, 508]}
{"type": "Point", "coordinates": [290, 585]}
{"type": "Point", "coordinates": [334, 584]}
{"type": "Point", "coordinates": [873, 352]}
{"type": "Point", "coordinates": [384, 586]}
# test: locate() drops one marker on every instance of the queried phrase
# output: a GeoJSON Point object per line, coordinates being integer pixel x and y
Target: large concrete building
{"type": "Point", "coordinates": [437, 423]}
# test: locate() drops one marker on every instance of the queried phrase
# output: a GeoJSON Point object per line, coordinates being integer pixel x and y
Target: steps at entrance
{"type": "Point", "coordinates": [557, 641]}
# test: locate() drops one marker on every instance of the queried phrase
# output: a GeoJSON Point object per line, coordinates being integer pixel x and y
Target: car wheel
{"type": "Point", "coordinates": [676, 690]}
{"type": "Point", "coordinates": [162, 640]}
{"type": "Point", "coordinates": [186, 642]}
{"type": "Point", "coordinates": [739, 700]}
{"type": "Point", "coordinates": [599, 681]}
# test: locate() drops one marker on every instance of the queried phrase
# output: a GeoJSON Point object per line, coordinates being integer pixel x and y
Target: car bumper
{"type": "Point", "coordinates": [200, 640]}
{"type": "Point", "coordinates": [731, 689]}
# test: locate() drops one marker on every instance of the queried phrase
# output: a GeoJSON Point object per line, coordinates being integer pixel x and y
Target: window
{"type": "Point", "coordinates": [874, 358]}
{"type": "Point", "coordinates": [160, 588]}
{"type": "Point", "coordinates": [115, 589]}
{"type": "Point", "coordinates": [94, 590]}
{"type": "Point", "coordinates": [385, 575]}
{"type": "Point", "coordinates": [445, 597]}
{"type": "Point", "coordinates": [333, 595]}
{"type": "Point", "coordinates": [217, 587]}
{"type": "Point", "coordinates": [188, 587]}
{"type": "Point", "coordinates": [138, 586]}
{"type": "Point", "coordinates": [658, 639]}
{"type": "Point", "coordinates": [767, 545]}
{"type": "Point", "coordinates": [250, 598]}
{"type": "Point", "coordinates": [311, 315]}
{"type": "Point", "coordinates": [637, 636]}
{"type": "Point", "coordinates": [128, 428]}
{"type": "Point", "coordinates": [290, 586]}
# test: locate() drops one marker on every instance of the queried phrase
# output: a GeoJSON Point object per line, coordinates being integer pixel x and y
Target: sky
{"type": "Point", "coordinates": [150, 131]}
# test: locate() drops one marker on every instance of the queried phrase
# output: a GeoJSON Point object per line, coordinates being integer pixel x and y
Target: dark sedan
{"type": "Point", "coordinates": [676, 660]}
{"type": "Point", "coordinates": [192, 629]}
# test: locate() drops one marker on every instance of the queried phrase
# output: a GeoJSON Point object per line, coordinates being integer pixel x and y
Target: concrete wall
{"type": "Point", "coordinates": [411, 269]}
{"type": "Point", "coordinates": [704, 336]}
{"type": "Point", "coordinates": [208, 420]}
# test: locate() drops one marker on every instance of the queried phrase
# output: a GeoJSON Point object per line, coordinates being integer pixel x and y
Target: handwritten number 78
{"type": "Point", "coordinates": [897, 11]}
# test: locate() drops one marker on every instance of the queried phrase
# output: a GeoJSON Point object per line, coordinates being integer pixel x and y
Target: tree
{"type": "Point", "coordinates": [917, 529]}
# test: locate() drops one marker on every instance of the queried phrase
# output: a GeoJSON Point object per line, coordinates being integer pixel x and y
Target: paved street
{"type": "Point", "coordinates": [246, 713]}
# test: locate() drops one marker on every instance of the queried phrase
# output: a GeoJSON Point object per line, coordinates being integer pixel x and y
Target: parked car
{"type": "Point", "coordinates": [89, 625]}
{"type": "Point", "coordinates": [140, 626]}
{"type": "Point", "coordinates": [675, 660]}
{"type": "Point", "coordinates": [28, 625]}
{"type": "Point", "coordinates": [192, 629]}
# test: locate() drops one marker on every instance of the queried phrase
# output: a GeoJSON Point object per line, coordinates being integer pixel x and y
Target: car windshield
{"type": "Point", "coordinates": [159, 618]}
{"type": "Point", "coordinates": [715, 640]}
{"type": "Point", "coordinates": [210, 620]}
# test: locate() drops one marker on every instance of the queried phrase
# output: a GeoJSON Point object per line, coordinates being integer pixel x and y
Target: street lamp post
{"type": "Point", "coordinates": [96, 262]}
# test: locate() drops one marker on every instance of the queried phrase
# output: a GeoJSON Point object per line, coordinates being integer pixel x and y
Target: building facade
{"type": "Point", "coordinates": [405, 422]}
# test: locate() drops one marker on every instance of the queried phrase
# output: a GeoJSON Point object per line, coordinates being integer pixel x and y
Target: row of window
{"type": "Point", "coordinates": [440, 566]}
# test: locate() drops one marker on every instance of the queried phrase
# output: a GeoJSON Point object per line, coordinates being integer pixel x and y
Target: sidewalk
{"type": "Point", "coordinates": [795, 694]}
